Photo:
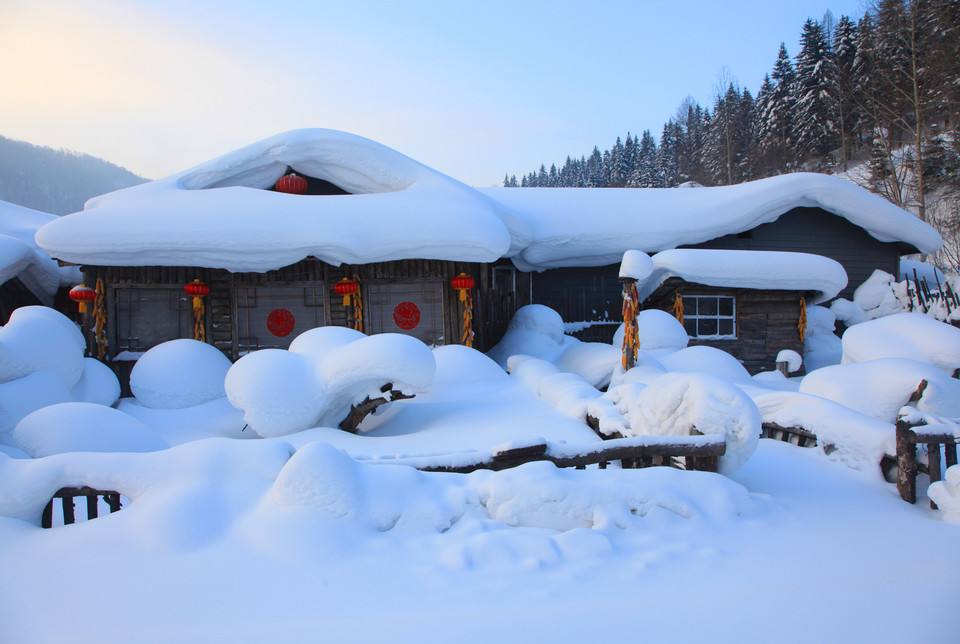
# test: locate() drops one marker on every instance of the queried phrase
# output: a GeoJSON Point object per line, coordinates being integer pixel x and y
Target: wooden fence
{"type": "Point", "coordinates": [696, 452]}
{"type": "Point", "coordinates": [794, 435]}
{"type": "Point", "coordinates": [912, 432]}
{"type": "Point", "coordinates": [67, 496]}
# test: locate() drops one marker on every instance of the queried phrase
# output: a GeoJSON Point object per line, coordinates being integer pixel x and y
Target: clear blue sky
{"type": "Point", "coordinates": [474, 89]}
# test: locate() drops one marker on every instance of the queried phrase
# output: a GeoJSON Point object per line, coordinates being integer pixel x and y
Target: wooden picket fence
{"type": "Point", "coordinates": [910, 434]}
{"type": "Point", "coordinates": [67, 496]}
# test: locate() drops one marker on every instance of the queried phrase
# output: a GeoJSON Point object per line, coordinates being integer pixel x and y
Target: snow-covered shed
{"type": "Point", "coordinates": [27, 274]}
{"type": "Point", "coordinates": [404, 232]}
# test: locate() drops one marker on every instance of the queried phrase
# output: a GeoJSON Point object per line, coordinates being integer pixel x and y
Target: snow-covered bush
{"type": "Point", "coordinates": [83, 427]}
{"type": "Point", "coordinates": [322, 375]}
{"type": "Point", "coordinates": [179, 373]}
{"type": "Point", "coordinates": [538, 331]}
{"type": "Point", "coordinates": [914, 336]}
{"type": "Point", "coordinates": [946, 494]}
{"type": "Point", "coordinates": [821, 345]}
{"type": "Point", "coordinates": [879, 388]}
{"type": "Point", "coordinates": [674, 404]}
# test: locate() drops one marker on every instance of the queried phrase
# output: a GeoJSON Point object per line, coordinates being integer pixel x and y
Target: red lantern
{"type": "Point", "coordinates": [196, 288]}
{"type": "Point", "coordinates": [462, 283]}
{"type": "Point", "coordinates": [345, 288]}
{"type": "Point", "coordinates": [81, 294]}
{"type": "Point", "coordinates": [292, 184]}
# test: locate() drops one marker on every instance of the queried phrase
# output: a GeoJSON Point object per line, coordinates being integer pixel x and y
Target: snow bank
{"type": "Point", "coordinates": [636, 264]}
{"type": "Point", "coordinates": [322, 376]}
{"type": "Point", "coordinates": [821, 346]}
{"type": "Point", "coordinates": [21, 258]}
{"type": "Point", "coordinates": [538, 331]}
{"type": "Point", "coordinates": [675, 404]}
{"type": "Point", "coordinates": [946, 494]}
{"type": "Point", "coordinates": [655, 219]}
{"type": "Point", "coordinates": [756, 269]}
{"type": "Point", "coordinates": [657, 330]}
{"type": "Point", "coordinates": [879, 388]}
{"type": "Point", "coordinates": [219, 214]}
{"type": "Point", "coordinates": [206, 420]}
{"type": "Point", "coordinates": [83, 427]}
{"type": "Point", "coordinates": [904, 335]}
{"type": "Point", "coordinates": [179, 373]}
{"type": "Point", "coordinates": [22, 396]}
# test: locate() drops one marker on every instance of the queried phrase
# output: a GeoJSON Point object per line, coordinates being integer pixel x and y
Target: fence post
{"type": "Point", "coordinates": [933, 466]}
{"type": "Point", "coordinates": [906, 462]}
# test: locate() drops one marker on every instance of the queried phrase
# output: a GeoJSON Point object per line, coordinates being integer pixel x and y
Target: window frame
{"type": "Point", "coordinates": [716, 316]}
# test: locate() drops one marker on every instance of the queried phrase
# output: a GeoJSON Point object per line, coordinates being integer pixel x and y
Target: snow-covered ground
{"type": "Point", "coordinates": [304, 531]}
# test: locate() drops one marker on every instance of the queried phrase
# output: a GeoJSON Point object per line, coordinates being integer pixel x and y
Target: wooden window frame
{"type": "Point", "coordinates": [717, 316]}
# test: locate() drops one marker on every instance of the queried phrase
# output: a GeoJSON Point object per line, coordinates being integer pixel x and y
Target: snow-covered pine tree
{"type": "Point", "coordinates": [843, 84]}
{"type": "Point", "coordinates": [776, 132]}
{"type": "Point", "coordinates": [815, 128]}
{"type": "Point", "coordinates": [668, 156]}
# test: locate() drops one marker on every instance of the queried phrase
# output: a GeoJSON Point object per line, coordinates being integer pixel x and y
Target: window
{"type": "Point", "coordinates": [710, 316]}
{"type": "Point", "coordinates": [504, 279]}
{"type": "Point", "coordinates": [145, 317]}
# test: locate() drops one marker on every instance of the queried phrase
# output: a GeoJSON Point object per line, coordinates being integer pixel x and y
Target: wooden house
{"type": "Point", "coordinates": [317, 227]}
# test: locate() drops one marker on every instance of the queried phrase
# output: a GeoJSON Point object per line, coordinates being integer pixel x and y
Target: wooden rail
{"type": "Point", "coordinates": [686, 452]}
{"type": "Point", "coordinates": [804, 437]}
{"type": "Point", "coordinates": [912, 433]}
{"type": "Point", "coordinates": [68, 494]}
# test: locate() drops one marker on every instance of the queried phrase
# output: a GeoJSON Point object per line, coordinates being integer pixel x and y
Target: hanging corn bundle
{"type": "Point", "coordinates": [349, 290]}
{"type": "Point", "coordinates": [197, 290]}
{"type": "Point", "coordinates": [357, 306]}
{"type": "Point", "coordinates": [802, 321]}
{"type": "Point", "coordinates": [678, 306]}
{"type": "Point", "coordinates": [100, 320]}
{"type": "Point", "coordinates": [631, 338]}
{"type": "Point", "coordinates": [464, 284]}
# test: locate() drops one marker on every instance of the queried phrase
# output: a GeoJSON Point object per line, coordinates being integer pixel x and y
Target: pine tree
{"type": "Point", "coordinates": [775, 123]}
{"type": "Point", "coordinates": [843, 83]}
{"type": "Point", "coordinates": [816, 133]}
{"type": "Point", "coordinates": [668, 156]}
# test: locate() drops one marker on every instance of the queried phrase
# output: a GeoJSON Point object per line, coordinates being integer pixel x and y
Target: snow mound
{"type": "Point", "coordinates": [457, 364]}
{"type": "Point", "coordinates": [876, 297]}
{"type": "Point", "coordinates": [220, 215]}
{"type": "Point", "coordinates": [636, 265]}
{"type": "Point", "coordinates": [568, 393]}
{"type": "Point", "coordinates": [879, 388]}
{"type": "Point", "coordinates": [792, 358]}
{"type": "Point", "coordinates": [20, 397]}
{"type": "Point", "coordinates": [946, 494]}
{"type": "Point", "coordinates": [657, 330]}
{"type": "Point", "coordinates": [675, 404]}
{"type": "Point", "coordinates": [904, 335]}
{"type": "Point", "coordinates": [821, 346]}
{"type": "Point", "coordinates": [318, 380]}
{"type": "Point", "coordinates": [206, 420]}
{"type": "Point", "coordinates": [843, 435]}
{"type": "Point", "coordinates": [538, 331]}
{"type": "Point", "coordinates": [37, 338]}
{"type": "Point", "coordinates": [179, 373]}
{"type": "Point", "coordinates": [98, 384]}
{"type": "Point", "coordinates": [83, 427]}
{"type": "Point", "coordinates": [708, 360]}
{"type": "Point", "coordinates": [756, 269]}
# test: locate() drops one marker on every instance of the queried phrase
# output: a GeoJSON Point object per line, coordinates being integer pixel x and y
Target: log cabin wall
{"type": "Point", "coordinates": [766, 321]}
{"type": "Point", "coordinates": [493, 307]}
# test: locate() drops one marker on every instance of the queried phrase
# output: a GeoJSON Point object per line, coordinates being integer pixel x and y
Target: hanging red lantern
{"type": "Point", "coordinates": [345, 288]}
{"type": "Point", "coordinates": [196, 288]}
{"type": "Point", "coordinates": [462, 283]}
{"type": "Point", "coordinates": [81, 294]}
{"type": "Point", "coordinates": [292, 184]}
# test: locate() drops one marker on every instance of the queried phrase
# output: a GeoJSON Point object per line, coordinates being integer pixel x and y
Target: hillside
{"type": "Point", "coordinates": [56, 181]}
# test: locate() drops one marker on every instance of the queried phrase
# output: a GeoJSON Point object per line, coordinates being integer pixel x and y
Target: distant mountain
{"type": "Point", "coordinates": [56, 181]}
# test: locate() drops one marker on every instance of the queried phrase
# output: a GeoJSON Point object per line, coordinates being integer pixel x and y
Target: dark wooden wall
{"type": "Point", "coordinates": [13, 295]}
{"type": "Point", "coordinates": [766, 321]}
{"type": "Point", "coordinates": [814, 230]}
{"type": "Point", "coordinates": [580, 295]}
{"type": "Point", "coordinates": [493, 308]}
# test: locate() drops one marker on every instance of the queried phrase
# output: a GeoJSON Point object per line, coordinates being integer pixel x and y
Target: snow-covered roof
{"type": "Point", "coordinates": [594, 227]}
{"type": "Point", "coordinates": [756, 269]}
{"type": "Point", "coordinates": [219, 215]}
{"type": "Point", "coordinates": [21, 258]}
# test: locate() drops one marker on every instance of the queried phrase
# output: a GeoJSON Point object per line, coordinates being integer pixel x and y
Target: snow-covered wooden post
{"type": "Point", "coordinates": [636, 266]}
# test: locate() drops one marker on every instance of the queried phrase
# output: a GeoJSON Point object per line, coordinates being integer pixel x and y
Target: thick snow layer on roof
{"type": "Point", "coordinates": [594, 227]}
{"type": "Point", "coordinates": [219, 214]}
{"type": "Point", "coordinates": [760, 269]}
{"type": "Point", "coordinates": [20, 257]}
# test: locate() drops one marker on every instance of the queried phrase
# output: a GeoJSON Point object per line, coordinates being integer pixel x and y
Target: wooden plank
{"type": "Point", "coordinates": [933, 465]}
{"type": "Point", "coordinates": [68, 510]}
{"type": "Point", "coordinates": [92, 500]}
{"type": "Point", "coordinates": [906, 463]}
{"type": "Point", "coordinates": [950, 451]}
{"type": "Point", "coordinates": [113, 500]}
{"type": "Point", "coordinates": [46, 519]}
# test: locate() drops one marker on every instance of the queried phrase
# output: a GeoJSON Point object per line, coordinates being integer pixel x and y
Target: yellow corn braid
{"type": "Point", "coordinates": [466, 337]}
{"type": "Point", "coordinates": [100, 320]}
{"type": "Point", "coordinates": [802, 321]}
{"type": "Point", "coordinates": [678, 307]}
{"type": "Point", "coordinates": [358, 307]}
{"type": "Point", "coordinates": [631, 339]}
